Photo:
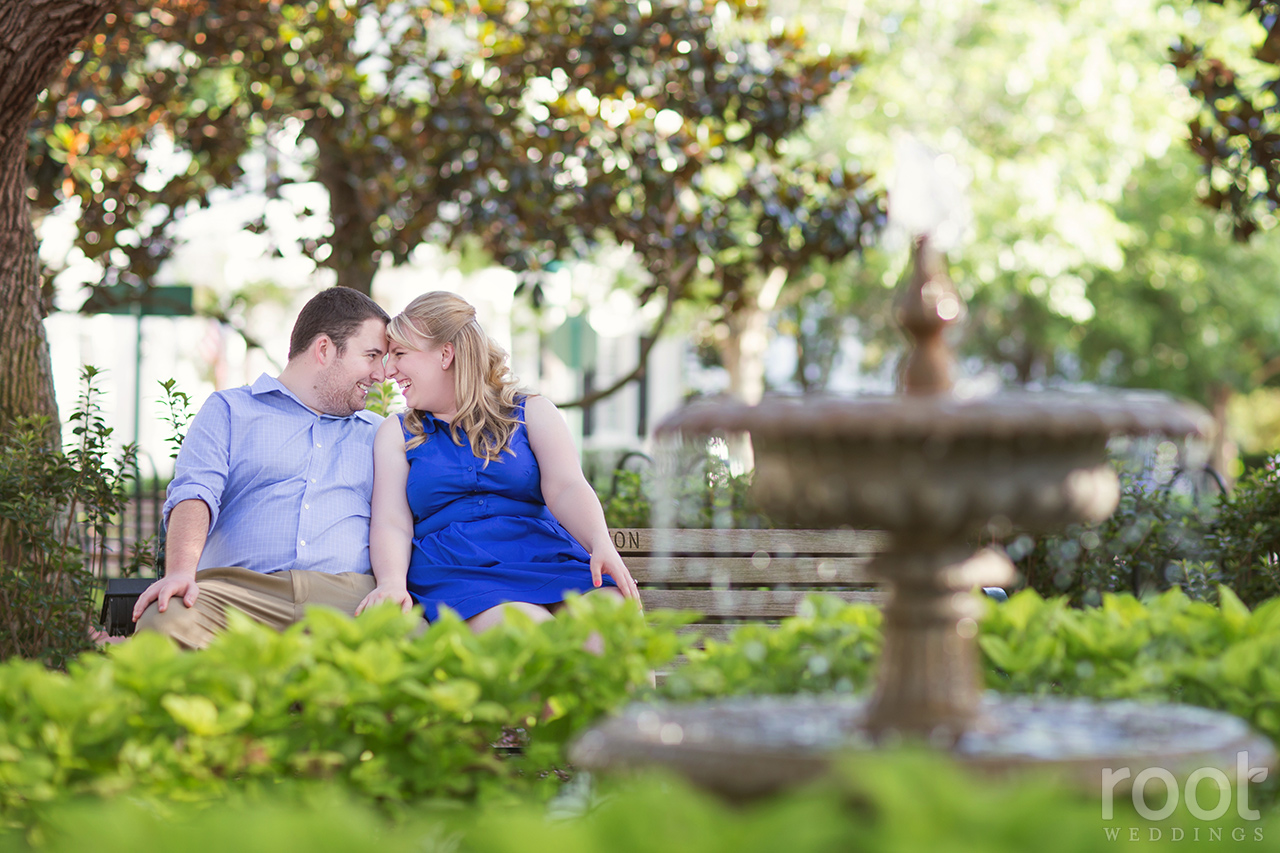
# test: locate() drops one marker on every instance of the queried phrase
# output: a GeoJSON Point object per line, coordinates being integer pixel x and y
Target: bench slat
{"type": "Point", "coordinates": [761, 570]}
{"type": "Point", "coordinates": [745, 603]}
{"type": "Point", "coordinates": [639, 540]}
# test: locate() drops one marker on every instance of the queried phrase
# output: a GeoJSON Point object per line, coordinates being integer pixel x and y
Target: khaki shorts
{"type": "Point", "coordinates": [277, 600]}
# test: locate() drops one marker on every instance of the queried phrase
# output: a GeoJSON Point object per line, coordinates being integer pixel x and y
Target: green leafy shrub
{"type": "Point", "coordinates": [177, 414]}
{"type": "Point", "coordinates": [1159, 538]}
{"type": "Point", "coordinates": [384, 399]}
{"type": "Point", "coordinates": [827, 646]}
{"type": "Point", "coordinates": [702, 492]}
{"type": "Point", "coordinates": [1165, 647]}
{"type": "Point", "coordinates": [355, 721]}
{"type": "Point", "coordinates": [54, 510]}
{"type": "Point", "coordinates": [1246, 536]}
{"type": "Point", "coordinates": [362, 704]}
{"type": "Point", "coordinates": [1156, 539]}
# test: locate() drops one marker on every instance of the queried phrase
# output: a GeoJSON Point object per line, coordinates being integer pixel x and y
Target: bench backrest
{"type": "Point", "coordinates": [747, 575]}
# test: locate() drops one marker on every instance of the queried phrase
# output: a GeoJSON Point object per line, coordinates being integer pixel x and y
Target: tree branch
{"type": "Point", "coordinates": [674, 289]}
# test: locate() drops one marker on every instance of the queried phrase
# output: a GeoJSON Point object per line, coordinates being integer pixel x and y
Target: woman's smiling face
{"type": "Point", "coordinates": [424, 377]}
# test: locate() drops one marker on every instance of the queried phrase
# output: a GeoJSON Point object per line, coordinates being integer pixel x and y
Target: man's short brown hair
{"type": "Point", "coordinates": [336, 312]}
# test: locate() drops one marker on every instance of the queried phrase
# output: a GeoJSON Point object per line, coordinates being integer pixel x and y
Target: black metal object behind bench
{"type": "Point", "coordinates": [118, 601]}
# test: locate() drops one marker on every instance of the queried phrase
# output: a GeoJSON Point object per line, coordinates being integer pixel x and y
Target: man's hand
{"type": "Point", "coordinates": [164, 589]}
{"type": "Point", "coordinates": [390, 592]}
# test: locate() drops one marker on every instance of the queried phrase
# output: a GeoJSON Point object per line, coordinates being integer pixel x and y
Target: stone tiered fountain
{"type": "Point", "coordinates": [934, 472]}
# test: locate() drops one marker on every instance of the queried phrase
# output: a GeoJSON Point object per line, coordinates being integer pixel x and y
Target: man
{"type": "Point", "coordinates": [268, 511]}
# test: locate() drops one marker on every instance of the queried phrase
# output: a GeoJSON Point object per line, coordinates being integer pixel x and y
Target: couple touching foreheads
{"type": "Point", "coordinates": [288, 493]}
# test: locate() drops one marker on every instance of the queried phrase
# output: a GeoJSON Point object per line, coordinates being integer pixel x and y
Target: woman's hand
{"type": "Point", "coordinates": [387, 592]}
{"type": "Point", "coordinates": [606, 561]}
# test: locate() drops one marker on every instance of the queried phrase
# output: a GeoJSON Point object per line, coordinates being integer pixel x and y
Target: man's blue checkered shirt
{"type": "Point", "coordinates": [286, 488]}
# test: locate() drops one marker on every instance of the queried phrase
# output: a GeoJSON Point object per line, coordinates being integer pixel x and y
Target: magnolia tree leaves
{"type": "Point", "coordinates": [1236, 134]}
{"type": "Point", "coordinates": [538, 127]}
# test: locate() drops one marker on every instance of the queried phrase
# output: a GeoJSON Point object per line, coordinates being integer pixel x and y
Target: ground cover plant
{"type": "Point", "coordinates": [903, 802]}
{"type": "Point", "coordinates": [372, 706]}
{"type": "Point", "coordinates": [368, 712]}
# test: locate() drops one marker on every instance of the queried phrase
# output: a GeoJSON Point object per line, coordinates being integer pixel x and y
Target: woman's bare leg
{"type": "Point", "coordinates": [487, 619]}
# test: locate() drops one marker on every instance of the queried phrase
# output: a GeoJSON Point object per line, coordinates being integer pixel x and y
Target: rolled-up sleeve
{"type": "Point", "coordinates": [204, 461]}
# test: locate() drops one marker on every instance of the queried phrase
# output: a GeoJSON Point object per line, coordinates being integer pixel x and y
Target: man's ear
{"type": "Point", "coordinates": [323, 349]}
{"type": "Point", "coordinates": [446, 356]}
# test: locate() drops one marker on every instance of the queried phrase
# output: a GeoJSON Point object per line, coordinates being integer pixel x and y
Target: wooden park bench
{"type": "Point", "coordinates": [736, 576]}
{"type": "Point", "coordinates": [729, 576]}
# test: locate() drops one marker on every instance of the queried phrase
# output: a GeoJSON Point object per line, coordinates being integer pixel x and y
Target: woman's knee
{"type": "Point", "coordinates": [494, 616]}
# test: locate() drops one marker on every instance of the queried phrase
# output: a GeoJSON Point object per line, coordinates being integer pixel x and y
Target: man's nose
{"type": "Point", "coordinates": [382, 372]}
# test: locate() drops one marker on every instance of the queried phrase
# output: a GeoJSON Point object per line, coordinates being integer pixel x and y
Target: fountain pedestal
{"type": "Point", "coordinates": [929, 677]}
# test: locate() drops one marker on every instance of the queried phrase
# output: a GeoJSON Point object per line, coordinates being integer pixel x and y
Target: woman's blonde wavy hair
{"type": "Point", "coordinates": [487, 393]}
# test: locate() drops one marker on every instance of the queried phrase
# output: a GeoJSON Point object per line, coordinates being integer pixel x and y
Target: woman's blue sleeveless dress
{"type": "Point", "coordinates": [482, 535]}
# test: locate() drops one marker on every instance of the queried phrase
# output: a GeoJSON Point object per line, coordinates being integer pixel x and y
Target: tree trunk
{"type": "Point", "coordinates": [1222, 450]}
{"type": "Point", "coordinates": [36, 37]}
{"type": "Point", "coordinates": [743, 353]}
{"type": "Point", "coordinates": [352, 258]}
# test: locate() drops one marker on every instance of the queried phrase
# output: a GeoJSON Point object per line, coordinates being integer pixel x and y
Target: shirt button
{"type": "Point", "coordinates": [313, 479]}
{"type": "Point", "coordinates": [470, 468]}
{"type": "Point", "coordinates": [302, 542]}
{"type": "Point", "coordinates": [306, 506]}
{"type": "Point", "coordinates": [317, 444]}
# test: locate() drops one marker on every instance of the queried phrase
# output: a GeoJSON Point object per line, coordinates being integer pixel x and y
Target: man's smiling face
{"type": "Point", "coordinates": [345, 383]}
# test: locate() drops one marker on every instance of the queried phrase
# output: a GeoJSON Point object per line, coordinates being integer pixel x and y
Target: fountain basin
{"type": "Point", "coordinates": [752, 747]}
{"type": "Point", "coordinates": [938, 467]}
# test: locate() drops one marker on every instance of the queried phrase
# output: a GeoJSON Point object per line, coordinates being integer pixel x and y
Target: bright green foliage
{"type": "Point", "coordinates": [359, 703]}
{"type": "Point", "coordinates": [827, 646]}
{"type": "Point", "coordinates": [54, 510]}
{"type": "Point", "coordinates": [904, 801]}
{"type": "Point", "coordinates": [1167, 647]}
{"type": "Point", "coordinates": [302, 735]}
{"type": "Point", "coordinates": [384, 398]}
{"type": "Point", "coordinates": [1188, 311]}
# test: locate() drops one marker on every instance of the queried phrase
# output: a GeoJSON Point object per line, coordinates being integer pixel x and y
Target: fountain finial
{"type": "Point", "coordinates": [929, 304]}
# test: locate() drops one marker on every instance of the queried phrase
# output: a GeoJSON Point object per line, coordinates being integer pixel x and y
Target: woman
{"type": "Point", "coordinates": [479, 502]}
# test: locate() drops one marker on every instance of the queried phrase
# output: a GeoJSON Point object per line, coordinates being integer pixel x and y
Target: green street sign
{"type": "Point", "coordinates": [169, 301]}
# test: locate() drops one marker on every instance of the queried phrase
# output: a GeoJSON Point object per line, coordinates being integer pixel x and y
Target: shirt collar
{"type": "Point", "coordinates": [265, 384]}
{"type": "Point", "coordinates": [429, 423]}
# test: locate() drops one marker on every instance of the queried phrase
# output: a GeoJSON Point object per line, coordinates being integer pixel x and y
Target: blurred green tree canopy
{"type": "Point", "coordinates": [1089, 257]}
{"type": "Point", "coordinates": [731, 150]}
{"type": "Point", "coordinates": [537, 128]}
